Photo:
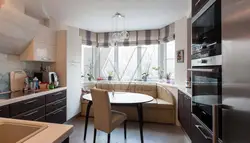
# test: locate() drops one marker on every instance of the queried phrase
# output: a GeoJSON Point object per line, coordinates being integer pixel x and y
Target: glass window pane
{"type": "Point", "coordinates": [149, 60]}
{"type": "Point", "coordinates": [106, 61]}
{"type": "Point", "coordinates": [87, 61]}
{"type": "Point", "coordinates": [170, 49]}
{"type": "Point", "coordinates": [127, 62]}
{"type": "Point", "coordinates": [170, 59]}
{"type": "Point", "coordinates": [171, 67]}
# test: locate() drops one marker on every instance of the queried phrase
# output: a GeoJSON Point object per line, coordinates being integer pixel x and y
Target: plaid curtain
{"type": "Point", "coordinates": [142, 37]}
{"type": "Point", "coordinates": [167, 33]}
{"type": "Point", "coordinates": [88, 37]}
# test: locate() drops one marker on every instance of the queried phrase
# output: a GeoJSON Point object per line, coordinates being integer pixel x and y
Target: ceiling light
{"type": "Point", "coordinates": [119, 34]}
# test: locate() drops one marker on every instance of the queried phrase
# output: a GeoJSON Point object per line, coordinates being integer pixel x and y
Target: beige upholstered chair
{"type": "Point", "coordinates": [105, 119]}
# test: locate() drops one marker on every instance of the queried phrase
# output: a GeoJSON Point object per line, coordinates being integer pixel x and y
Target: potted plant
{"type": "Point", "coordinates": [89, 71]}
{"type": "Point", "coordinates": [160, 71]}
{"type": "Point", "coordinates": [145, 76]}
{"type": "Point", "coordinates": [90, 76]}
{"type": "Point", "coordinates": [168, 77]}
{"type": "Point", "coordinates": [110, 75]}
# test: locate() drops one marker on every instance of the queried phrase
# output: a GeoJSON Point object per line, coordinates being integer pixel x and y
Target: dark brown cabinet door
{"type": "Point", "coordinates": [24, 106]}
{"type": "Point", "coordinates": [184, 112]}
{"type": "Point", "coordinates": [4, 111]}
{"type": "Point", "coordinates": [187, 114]}
{"type": "Point", "coordinates": [58, 116]}
{"type": "Point", "coordinates": [180, 107]}
{"type": "Point", "coordinates": [51, 107]}
{"type": "Point", "coordinates": [200, 134]}
{"type": "Point", "coordinates": [32, 115]}
{"type": "Point", "coordinates": [197, 5]}
{"type": "Point", "coordinates": [41, 119]}
{"type": "Point", "coordinates": [55, 96]}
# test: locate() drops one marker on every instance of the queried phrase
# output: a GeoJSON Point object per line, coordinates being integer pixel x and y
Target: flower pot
{"type": "Point", "coordinates": [145, 78]}
{"type": "Point", "coordinates": [109, 78]}
{"type": "Point", "coordinates": [89, 78]}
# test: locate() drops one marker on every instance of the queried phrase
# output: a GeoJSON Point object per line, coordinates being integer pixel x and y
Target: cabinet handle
{"type": "Point", "coordinates": [199, 127]}
{"type": "Point", "coordinates": [30, 113]}
{"type": "Point", "coordinates": [197, 2]}
{"type": "Point", "coordinates": [29, 102]}
{"type": "Point", "coordinates": [58, 112]}
{"type": "Point", "coordinates": [58, 93]}
{"type": "Point", "coordinates": [57, 103]}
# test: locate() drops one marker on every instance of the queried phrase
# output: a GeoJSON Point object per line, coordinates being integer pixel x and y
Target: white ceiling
{"type": "Point", "coordinates": [95, 15]}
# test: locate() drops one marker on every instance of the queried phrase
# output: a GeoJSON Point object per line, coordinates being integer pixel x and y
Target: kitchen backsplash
{"type": "Point", "coordinates": [10, 63]}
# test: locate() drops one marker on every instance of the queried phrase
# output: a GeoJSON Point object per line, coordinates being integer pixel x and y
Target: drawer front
{"type": "Point", "coordinates": [32, 115]}
{"type": "Point", "coordinates": [199, 133]}
{"type": "Point", "coordinates": [24, 106]}
{"type": "Point", "coordinates": [51, 107]}
{"type": "Point", "coordinates": [55, 96]}
{"type": "Point", "coordinates": [58, 116]}
{"type": "Point", "coordinates": [4, 111]}
{"type": "Point", "coordinates": [41, 119]}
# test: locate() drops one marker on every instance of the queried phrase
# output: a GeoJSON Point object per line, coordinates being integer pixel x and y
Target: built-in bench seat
{"type": "Point", "coordinates": [160, 110]}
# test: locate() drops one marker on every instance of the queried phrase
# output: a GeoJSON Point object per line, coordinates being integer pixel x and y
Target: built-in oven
{"type": "Point", "coordinates": [206, 88]}
{"type": "Point", "coordinates": [207, 65]}
{"type": "Point", "coordinates": [206, 31]}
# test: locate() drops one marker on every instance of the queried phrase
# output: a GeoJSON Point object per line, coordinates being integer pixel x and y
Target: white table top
{"type": "Point", "coordinates": [124, 98]}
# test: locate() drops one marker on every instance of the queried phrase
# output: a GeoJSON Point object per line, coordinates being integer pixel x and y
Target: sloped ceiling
{"type": "Point", "coordinates": [96, 15]}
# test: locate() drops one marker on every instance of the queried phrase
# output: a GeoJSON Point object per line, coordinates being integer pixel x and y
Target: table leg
{"type": "Point", "coordinates": [140, 118]}
{"type": "Point", "coordinates": [87, 119]}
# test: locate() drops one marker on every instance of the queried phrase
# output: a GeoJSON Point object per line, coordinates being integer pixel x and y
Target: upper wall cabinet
{"type": "Point", "coordinates": [197, 5]}
{"type": "Point", "coordinates": [42, 47]}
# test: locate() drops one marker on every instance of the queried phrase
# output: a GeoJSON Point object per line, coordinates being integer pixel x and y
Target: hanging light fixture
{"type": "Point", "coordinates": [119, 34]}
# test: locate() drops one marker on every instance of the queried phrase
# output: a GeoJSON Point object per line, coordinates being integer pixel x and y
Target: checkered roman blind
{"type": "Point", "coordinates": [88, 37]}
{"type": "Point", "coordinates": [167, 33]}
{"type": "Point", "coordinates": [143, 37]}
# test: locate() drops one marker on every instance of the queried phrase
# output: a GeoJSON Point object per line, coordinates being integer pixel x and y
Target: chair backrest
{"type": "Point", "coordinates": [102, 109]}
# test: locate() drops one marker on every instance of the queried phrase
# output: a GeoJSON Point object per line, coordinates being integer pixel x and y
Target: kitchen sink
{"type": "Point", "coordinates": [18, 132]}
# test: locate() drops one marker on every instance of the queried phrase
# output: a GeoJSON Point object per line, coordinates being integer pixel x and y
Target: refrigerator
{"type": "Point", "coordinates": [235, 109]}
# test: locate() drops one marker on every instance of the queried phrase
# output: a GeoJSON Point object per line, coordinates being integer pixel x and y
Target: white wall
{"type": "Point", "coordinates": [182, 42]}
{"type": "Point", "coordinates": [73, 72]}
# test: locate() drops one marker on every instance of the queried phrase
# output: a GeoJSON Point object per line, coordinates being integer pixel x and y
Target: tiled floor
{"type": "Point", "coordinates": [153, 133]}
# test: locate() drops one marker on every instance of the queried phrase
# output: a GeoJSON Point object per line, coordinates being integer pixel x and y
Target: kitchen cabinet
{"type": "Point", "coordinates": [56, 107]}
{"type": "Point", "coordinates": [184, 112]}
{"type": "Point", "coordinates": [197, 6]}
{"type": "Point", "coordinates": [4, 111]}
{"type": "Point", "coordinates": [58, 116]}
{"type": "Point", "coordinates": [32, 115]}
{"type": "Point", "coordinates": [48, 108]}
{"type": "Point", "coordinates": [200, 134]}
{"type": "Point", "coordinates": [42, 47]}
{"type": "Point", "coordinates": [27, 105]}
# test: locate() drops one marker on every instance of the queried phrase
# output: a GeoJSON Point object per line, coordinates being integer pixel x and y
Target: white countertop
{"type": "Point", "coordinates": [34, 95]}
{"type": "Point", "coordinates": [187, 91]}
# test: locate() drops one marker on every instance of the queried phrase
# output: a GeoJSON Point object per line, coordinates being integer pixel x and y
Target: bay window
{"type": "Point", "coordinates": [128, 63]}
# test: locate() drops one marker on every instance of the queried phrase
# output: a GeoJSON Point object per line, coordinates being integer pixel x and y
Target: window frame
{"type": "Point", "coordinates": [162, 60]}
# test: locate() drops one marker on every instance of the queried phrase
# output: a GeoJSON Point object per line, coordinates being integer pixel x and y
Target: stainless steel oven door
{"type": "Point", "coordinates": [206, 90]}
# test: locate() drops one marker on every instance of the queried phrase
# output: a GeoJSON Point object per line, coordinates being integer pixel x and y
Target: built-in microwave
{"type": "Point", "coordinates": [206, 31]}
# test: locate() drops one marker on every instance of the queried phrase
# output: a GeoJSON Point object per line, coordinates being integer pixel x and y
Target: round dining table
{"type": "Point", "coordinates": [125, 99]}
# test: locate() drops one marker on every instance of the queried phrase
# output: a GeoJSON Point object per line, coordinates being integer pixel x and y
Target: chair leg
{"type": "Point", "coordinates": [94, 135]}
{"type": "Point", "coordinates": [109, 138]}
{"type": "Point", "coordinates": [125, 129]}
